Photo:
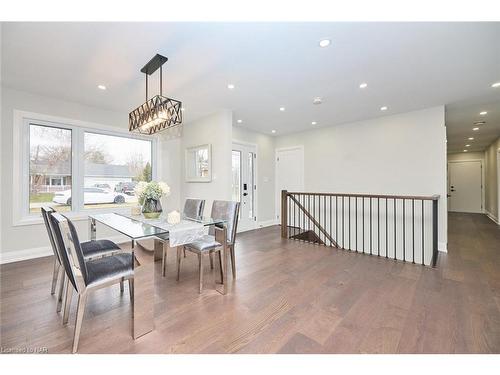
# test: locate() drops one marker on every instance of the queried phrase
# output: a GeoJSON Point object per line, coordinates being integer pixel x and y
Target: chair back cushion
{"type": "Point", "coordinates": [45, 214]}
{"type": "Point", "coordinates": [193, 208]}
{"type": "Point", "coordinates": [58, 239]}
{"type": "Point", "coordinates": [78, 250]}
{"type": "Point", "coordinates": [228, 211]}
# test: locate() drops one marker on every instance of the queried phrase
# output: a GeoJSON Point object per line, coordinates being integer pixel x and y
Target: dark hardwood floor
{"type": "Point", "coordinates": [289, 297]}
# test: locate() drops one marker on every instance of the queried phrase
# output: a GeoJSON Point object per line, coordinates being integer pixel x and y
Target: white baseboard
{"type": "Point", "coordinates": [37, 252]}
{"type": "Point", "coordinates": [443, 247]}
{"type": "Point", "coordinates": [492, 217]}
{"type": "Point", "coordinates": [268, 223]}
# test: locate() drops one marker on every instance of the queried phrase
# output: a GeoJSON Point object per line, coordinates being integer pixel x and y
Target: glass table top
{"type": "Point", "coordinates": [137, 226]}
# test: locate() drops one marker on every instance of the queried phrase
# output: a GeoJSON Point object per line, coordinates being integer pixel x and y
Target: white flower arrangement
{"type": "Point", "coordinates": [151, 190]}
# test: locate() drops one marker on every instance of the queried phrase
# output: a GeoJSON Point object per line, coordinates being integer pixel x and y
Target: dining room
{"type": "Point", "coordinates": [245, 188]}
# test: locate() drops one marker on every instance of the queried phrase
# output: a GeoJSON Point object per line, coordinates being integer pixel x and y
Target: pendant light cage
{"type": "Point", "coordinates": [159, 112]}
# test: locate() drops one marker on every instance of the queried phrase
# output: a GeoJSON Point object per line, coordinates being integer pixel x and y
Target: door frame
{"type": "Point", "coordinates": [277, 194]}
{"type": "Point", "coordinates": [483, 208]}
{"type": "Point", "coordinates": [256, 178]}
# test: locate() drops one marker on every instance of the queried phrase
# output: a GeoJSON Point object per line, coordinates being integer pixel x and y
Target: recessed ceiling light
{"type": "Point", "coordinates": [475, 129]}
{"type": "Point", "coordinates": [230, 86]}
{"type": "Point", "coordinates": [239, 121]}
{"type": "Point", "coordinates": [317, 100]}
{"type": "Point", "coordinates": [273, 131]}
{"type": "Point", "coordinates": [313, 123]}
{"type": "Point", "coordinates": [484, 113]}
{"type": "Point", "coordinates": [467, 145]}
{"type": "Point", "coordinates": [471, 138]}
{"type": "Point", "coordinates": [363, 85]}
{"type": "Point", "coordinates": [101, 87]}
{"type": "Point", "coordinates": [324, 43]}
{"type": "Point", "coordinates": [465, 150]}
{"type": "Point", "coordinates": [495, 85]}
{"type": "Point", "coordinates": [282, 109]}
{"type": "Point", "coordinates": [479, 122]}
{"type": "Point", "coordinates": [384, 108]}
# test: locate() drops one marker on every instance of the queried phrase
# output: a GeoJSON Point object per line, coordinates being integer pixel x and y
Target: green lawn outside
{"type": "Point", "coordinates": [41, 197]}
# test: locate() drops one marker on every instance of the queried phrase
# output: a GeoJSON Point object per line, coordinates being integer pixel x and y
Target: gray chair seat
{"type": "Point", "coordinates": [98, 248]}
{"type": "Point", "coordinates": [206, 243]}
{"type": "Point", "coordinates": [112, 267]}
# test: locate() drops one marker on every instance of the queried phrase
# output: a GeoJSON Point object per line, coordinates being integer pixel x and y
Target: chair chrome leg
{"type": "Point", "coordinates": [131, 289]}
{"type": "Point", "coordinates": [178, 262]}
{"type": "Point", "coordinates": [184, 249]}
{"type": "Point", "coordinates": [67, 301]}
{"type": "Point", "coordinates": [200, 263]}
{"type": "Point", "coordinates": [61, 290]}
{"type": "Point", "coordinates": [79, 319]}
{"type": "Point", "coordinates": [211, 255]}
{"type": "Point", "coordinates": [121, 287]}
{"type": "Point", "coordinates": [55, 274]}
{"type": "Point", "coordinates": [233, 265]}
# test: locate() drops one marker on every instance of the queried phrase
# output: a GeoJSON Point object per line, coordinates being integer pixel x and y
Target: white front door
{"type": "Point", "coordinates": [464, 186]}
{"type": "Point", "coordinates": [244, 184]}
{"type": "Point", "coordinates": [289, 172]}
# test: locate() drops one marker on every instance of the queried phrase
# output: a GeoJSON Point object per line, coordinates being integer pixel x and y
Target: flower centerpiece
{"type": "Point", "coordinates": [149, 195]}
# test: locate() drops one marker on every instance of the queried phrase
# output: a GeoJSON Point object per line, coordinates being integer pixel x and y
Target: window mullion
{"type": "Point", "coordinates": [78, 169]}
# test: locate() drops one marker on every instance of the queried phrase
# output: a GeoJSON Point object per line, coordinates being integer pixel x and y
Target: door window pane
{"type": "Point", "coordinates": [49, 168]}
{"type": "Point", "coordinates": [113, 167]}
{"type": "Point", "coordinates": [236, 176]}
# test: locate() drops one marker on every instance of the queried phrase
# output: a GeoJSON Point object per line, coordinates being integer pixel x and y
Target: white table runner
{"type": "Point", "coordinates": [185, 232]}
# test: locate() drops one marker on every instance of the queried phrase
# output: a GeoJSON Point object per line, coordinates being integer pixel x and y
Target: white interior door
{"type": "Point", "coordinates": [289, 172]}
{"type": "Point", "coordinates": [464, 186]}
{"type": "Point", "coordinates": [244, 184]}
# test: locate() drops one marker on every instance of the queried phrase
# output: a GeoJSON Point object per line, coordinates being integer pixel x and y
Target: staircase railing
{"type": "Point", "coordinates": [392, 226]}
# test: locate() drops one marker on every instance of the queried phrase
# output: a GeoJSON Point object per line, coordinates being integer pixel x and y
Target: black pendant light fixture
{"type": "Point", "coordinates": [159, 112]}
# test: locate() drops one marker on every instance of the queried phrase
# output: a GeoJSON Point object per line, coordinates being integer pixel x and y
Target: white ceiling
{"type": "Point", "coordinates": [407, 66]}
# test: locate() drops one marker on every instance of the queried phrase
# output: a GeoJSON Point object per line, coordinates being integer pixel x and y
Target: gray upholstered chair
{"type": "Point", "coordinates": [87, 275]}
{"type": "Point", "coordinates": [222, 210]}
{"type": "Point", "coordinates": [193, 208]}
{"type": "Point", "coordinates": [91, 250]}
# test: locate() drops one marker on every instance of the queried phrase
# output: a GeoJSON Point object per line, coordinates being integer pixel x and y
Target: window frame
{"type": "Point", "coordinates": [21, 160]}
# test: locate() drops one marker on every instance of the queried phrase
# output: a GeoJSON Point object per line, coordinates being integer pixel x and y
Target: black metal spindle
{"type": "Point", "coordinates": [394, 228]}
{"type": "Point", "coordinates": [331, 234]}
{"type": "Point", "coordinates": [378, 226]}
{"type": "Point", "coordinates": [386, 230]}
{"type": "Point", "coordinates": [404, 230]}
{"type": "Point", "coordinates": [349, 223]}
{"type": "Point", "coordinates": [413, 230]}
{"type": "Point", "coordinates": [363, 203]}
{"type": "Point", "coordinates": [371, 226]}
{"type": "Point", "coordinates": [356, 225]}
{"type": "Point", "coordinates": [343, 219]}
{"type": "Point", "coordinates": [423, 232]}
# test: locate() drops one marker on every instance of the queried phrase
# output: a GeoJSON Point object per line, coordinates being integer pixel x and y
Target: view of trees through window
{"type": "Point", "coordinates": [113, 165]}
{"type": "Point", "coordinates": [49, 166]}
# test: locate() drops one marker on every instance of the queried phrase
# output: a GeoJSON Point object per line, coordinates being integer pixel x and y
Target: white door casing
{"type": "Point", "coordinates": [289, 171]}
{"type": "Point", "coordinates": [244, 183]}
{"type": "Point", "coordinates": [465, 186]}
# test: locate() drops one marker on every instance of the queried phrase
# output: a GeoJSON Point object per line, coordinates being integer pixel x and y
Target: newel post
{"type": "Point", "coordinates": [284, 214]}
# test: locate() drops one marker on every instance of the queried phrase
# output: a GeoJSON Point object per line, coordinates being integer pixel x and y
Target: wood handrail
{"type": "Point", "coordinates": [314, 221]}
{"type": "Point", "coordinates": [419, 197]}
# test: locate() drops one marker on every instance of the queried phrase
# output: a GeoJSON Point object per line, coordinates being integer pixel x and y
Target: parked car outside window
{"type": "Point", "coordinates": [91, 195]}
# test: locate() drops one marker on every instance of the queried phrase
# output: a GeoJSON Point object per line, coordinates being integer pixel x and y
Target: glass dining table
{"type": "Point", "coordinates": [139, 228]}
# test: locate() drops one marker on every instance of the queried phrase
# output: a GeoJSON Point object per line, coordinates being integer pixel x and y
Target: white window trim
{"type": "Point", "coordinates": [20, 164]}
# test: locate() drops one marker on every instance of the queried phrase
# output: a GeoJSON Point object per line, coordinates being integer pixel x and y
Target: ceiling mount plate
{"type": "Point", "coordinates": [153, 64]}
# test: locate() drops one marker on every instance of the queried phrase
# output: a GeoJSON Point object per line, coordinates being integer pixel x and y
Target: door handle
{"type": "Point", "coordinates": [245, 194]}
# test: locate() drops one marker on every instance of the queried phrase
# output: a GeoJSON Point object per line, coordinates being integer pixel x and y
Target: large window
{"type": "Point", "coordinates": [113, 166]}
{"type": "Point", "coordinates": [75, 168]}
{"type": "Point", "coordinates": [49, 165]}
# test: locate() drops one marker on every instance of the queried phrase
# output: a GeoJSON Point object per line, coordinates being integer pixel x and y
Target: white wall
{"type": "Point", "coordinates": [265, 171]}
{"type": "Point", "coordinates": [25, 241]}
{"type": "Point", "coordinates": [492, 184]}
{"type": "Point", "coordinates": [215, 129]}
{"type": "Point", "coordinates": [403, 154]}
